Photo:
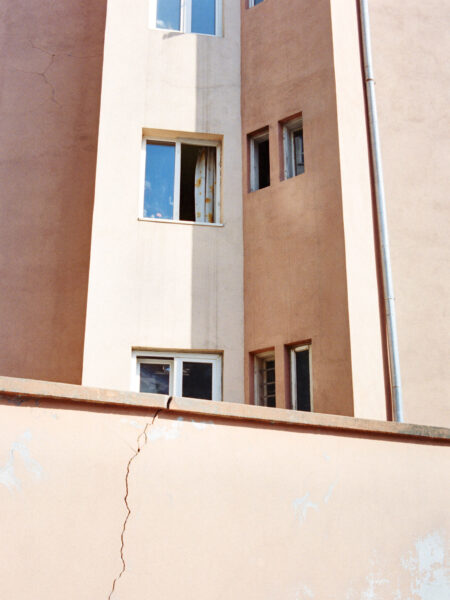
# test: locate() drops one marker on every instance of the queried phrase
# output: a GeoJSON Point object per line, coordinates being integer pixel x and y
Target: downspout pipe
{"type": "Point", "coordinates": [388, 287]}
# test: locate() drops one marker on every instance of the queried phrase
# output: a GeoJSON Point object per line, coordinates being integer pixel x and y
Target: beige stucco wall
{"type": "Point", "coordinates": [164, 285]}
{"type": "Point", "coordinates": [410, 49]}
{"type": "Point", "coordinates": [365, 325]}
{"type": "Point", "coordinates": [215, 508]}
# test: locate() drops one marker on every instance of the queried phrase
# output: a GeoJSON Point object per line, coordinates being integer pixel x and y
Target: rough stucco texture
{"type": "Point", "coordinates": [410, 46]}
{"type": "Point", "coordinates": [214, 509]}
{"type": "Point", "coordinates": [294, 251]}
{"type": "Point", "coordinates": [50, 79]}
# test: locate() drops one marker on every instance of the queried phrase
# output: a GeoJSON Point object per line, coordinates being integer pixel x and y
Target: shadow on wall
{"type": "Point", "coordinates": [217, 251]}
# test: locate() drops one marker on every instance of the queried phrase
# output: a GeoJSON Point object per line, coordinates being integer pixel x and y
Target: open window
{"type": "Point", "coordinates": [188, 16]}
{"type": "Point", "coordinates": [179, 374]}
{"type": "Point", "coordinates": [301, 397]}
{"type": "Point", "coordinates": [182, 180]}
{"type": "Point", "coordinates": [264, 390]}
{"type": "Point", "coordinates": [259, 160]}
{"type": "Point", "coordinates": [294, 160]}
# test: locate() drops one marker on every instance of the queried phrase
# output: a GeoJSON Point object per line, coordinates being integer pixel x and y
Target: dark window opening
{"type": "Point", "coordinates": [264, 390]}
{"type": "Point", "coordinates": [299, 162]}
{"type": "Point", "coordinates": [197, 380]}
{"type": "Point", "coordinates": [301, 379]}
{"type": "Point", "coordinates": [259, 160]}
{"type": "Point", "coordinates": [155, 378]}
{"type": "Point", "coordinates": [263, 164]}
{"type": "Point", "coordinates": [189, 155]}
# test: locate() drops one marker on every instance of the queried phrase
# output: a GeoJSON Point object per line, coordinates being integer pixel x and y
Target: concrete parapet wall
{"type": "Point", "coordinates": [121, 495]}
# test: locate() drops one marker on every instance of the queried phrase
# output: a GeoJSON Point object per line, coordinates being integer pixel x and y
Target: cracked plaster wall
{"type": "Point", "coordinates": [124, 504]}
{"type": "Point", "coordinates": [50, 76]}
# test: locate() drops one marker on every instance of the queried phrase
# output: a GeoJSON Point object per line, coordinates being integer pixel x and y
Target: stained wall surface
{"type": "Point", "coordinates": [153, 284]}
{"type": "Point", "coordinates": [410, 40]}
{"type": "Point", "coordinates": [50, 78]}
{"type": "Point", "coordinates": [210, 508]}
{"type": "Point", "coordinates": [310, 274]}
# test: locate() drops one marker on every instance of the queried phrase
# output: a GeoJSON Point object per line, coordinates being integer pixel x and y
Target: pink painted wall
{"type": "Point", "coordinates": [216, 508]}
{"type": "Point", "coordinates": [295, 286]}
{"type": "Point", "coordinates": [50, 78]}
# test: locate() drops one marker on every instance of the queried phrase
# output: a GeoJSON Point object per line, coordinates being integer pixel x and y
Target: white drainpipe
{"type": "Point", "coordinates": [394, 362]}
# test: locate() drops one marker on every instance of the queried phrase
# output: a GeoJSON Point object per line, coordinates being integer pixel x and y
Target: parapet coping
{"type": "Point", "coordinates": [46, 390]}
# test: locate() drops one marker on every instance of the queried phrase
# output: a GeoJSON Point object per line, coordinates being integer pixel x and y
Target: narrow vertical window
{"type": "Point", "coordinates": [301, 378]}
{"type": "Point", "coordinates": [264, 391]}
{"type": "Point", "coordinates": [254, 2]}
{"type": "Point", "coordinates": [294, 161]}
{"type": "Point", "coordinates": [259, 160]}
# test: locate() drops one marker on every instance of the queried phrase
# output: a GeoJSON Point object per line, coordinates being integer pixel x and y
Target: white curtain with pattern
{"type": "Point", "coordinates": [205, 185]}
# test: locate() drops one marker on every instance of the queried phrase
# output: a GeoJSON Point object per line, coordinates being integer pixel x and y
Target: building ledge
{"type": "Point", "coordinates": [30, 389]}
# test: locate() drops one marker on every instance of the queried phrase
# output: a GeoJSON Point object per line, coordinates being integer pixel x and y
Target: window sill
{"type": "Point", "coordinates": [180, 222]}
{"type": "Point", "coordinates": [210, 35]}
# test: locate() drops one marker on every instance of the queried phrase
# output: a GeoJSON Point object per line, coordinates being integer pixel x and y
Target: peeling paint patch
{"type": "Point", "coordinates": [427, 567]}
{"type": "Point", "coordinates": [304, 592]}
{"type": "Point", "coordinates": [201, 424]}
{"type": "Point", "coordinates": [8, 477]}
{"type": "Point", "coordinates": [165, 432]}
{"type": "Point", "coordinates": [302, 505]}
{"type": "Point", "coordinates": [134, 424]}
{"type": "Point", "coordinates": [329, 492]}
{"type": "Point", "coordinates": [373, 583]}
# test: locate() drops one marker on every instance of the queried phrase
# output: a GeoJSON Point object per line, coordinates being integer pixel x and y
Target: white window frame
{"type": "Point", "coordinates": [289, 128]}
{"type": "Point", "coordinates": [176, 360]}
{"type": "Point", "coordinates": [293, 352]}
{"type": "Point", "coordinates": [177, 178]}
{"type": "Point", "coordinates": [259, 361]}
{"type": "Point", "coordinates": [255, 140]}
{"type": "Point", "coordinates": [251, 3]}
{"type": "Point", "coordinates": [185, 17]}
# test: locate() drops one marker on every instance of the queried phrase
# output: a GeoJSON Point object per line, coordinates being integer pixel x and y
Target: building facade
{"type": "Point", "coordinates": [188, 201]}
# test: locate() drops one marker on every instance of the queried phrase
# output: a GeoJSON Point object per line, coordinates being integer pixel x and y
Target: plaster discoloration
{"type": "Point", "coordinates": [372, 591]}
{"type": "Point", "coordinates": [426, 565]}
{"type": "Point", "coordinates": [329, 493]}
{"type": "Point", "coordinates": [302, 506]}
{"type": "Point", "coordinates": [201, 424]}
{"type": "Point", "coordinates": [8, 476]}
{"type": "Point", "coordinates": [304, 592]}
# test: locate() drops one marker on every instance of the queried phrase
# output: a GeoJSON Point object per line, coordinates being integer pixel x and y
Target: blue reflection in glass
{"type": "Point", "coordinates": [203, 16]}
{"type": "Point", "coordinates": [168, 14]}
{"type": "Point", "coordinates": [257, 2]}
{"type": "Point", "coordinates": [159, 180]}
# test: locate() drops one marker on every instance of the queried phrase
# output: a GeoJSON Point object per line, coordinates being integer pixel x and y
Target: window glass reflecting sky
{"type": "Point", "coordinates": [159, 181]}
{"type": "Point", "coordinates": [203, 16]}
{"type": "Point", "coordinates": [168, 14]}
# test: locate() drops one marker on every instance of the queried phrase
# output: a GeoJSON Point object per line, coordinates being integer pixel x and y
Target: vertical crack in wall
{"type": "Point", "coordinates": [142, 435]}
